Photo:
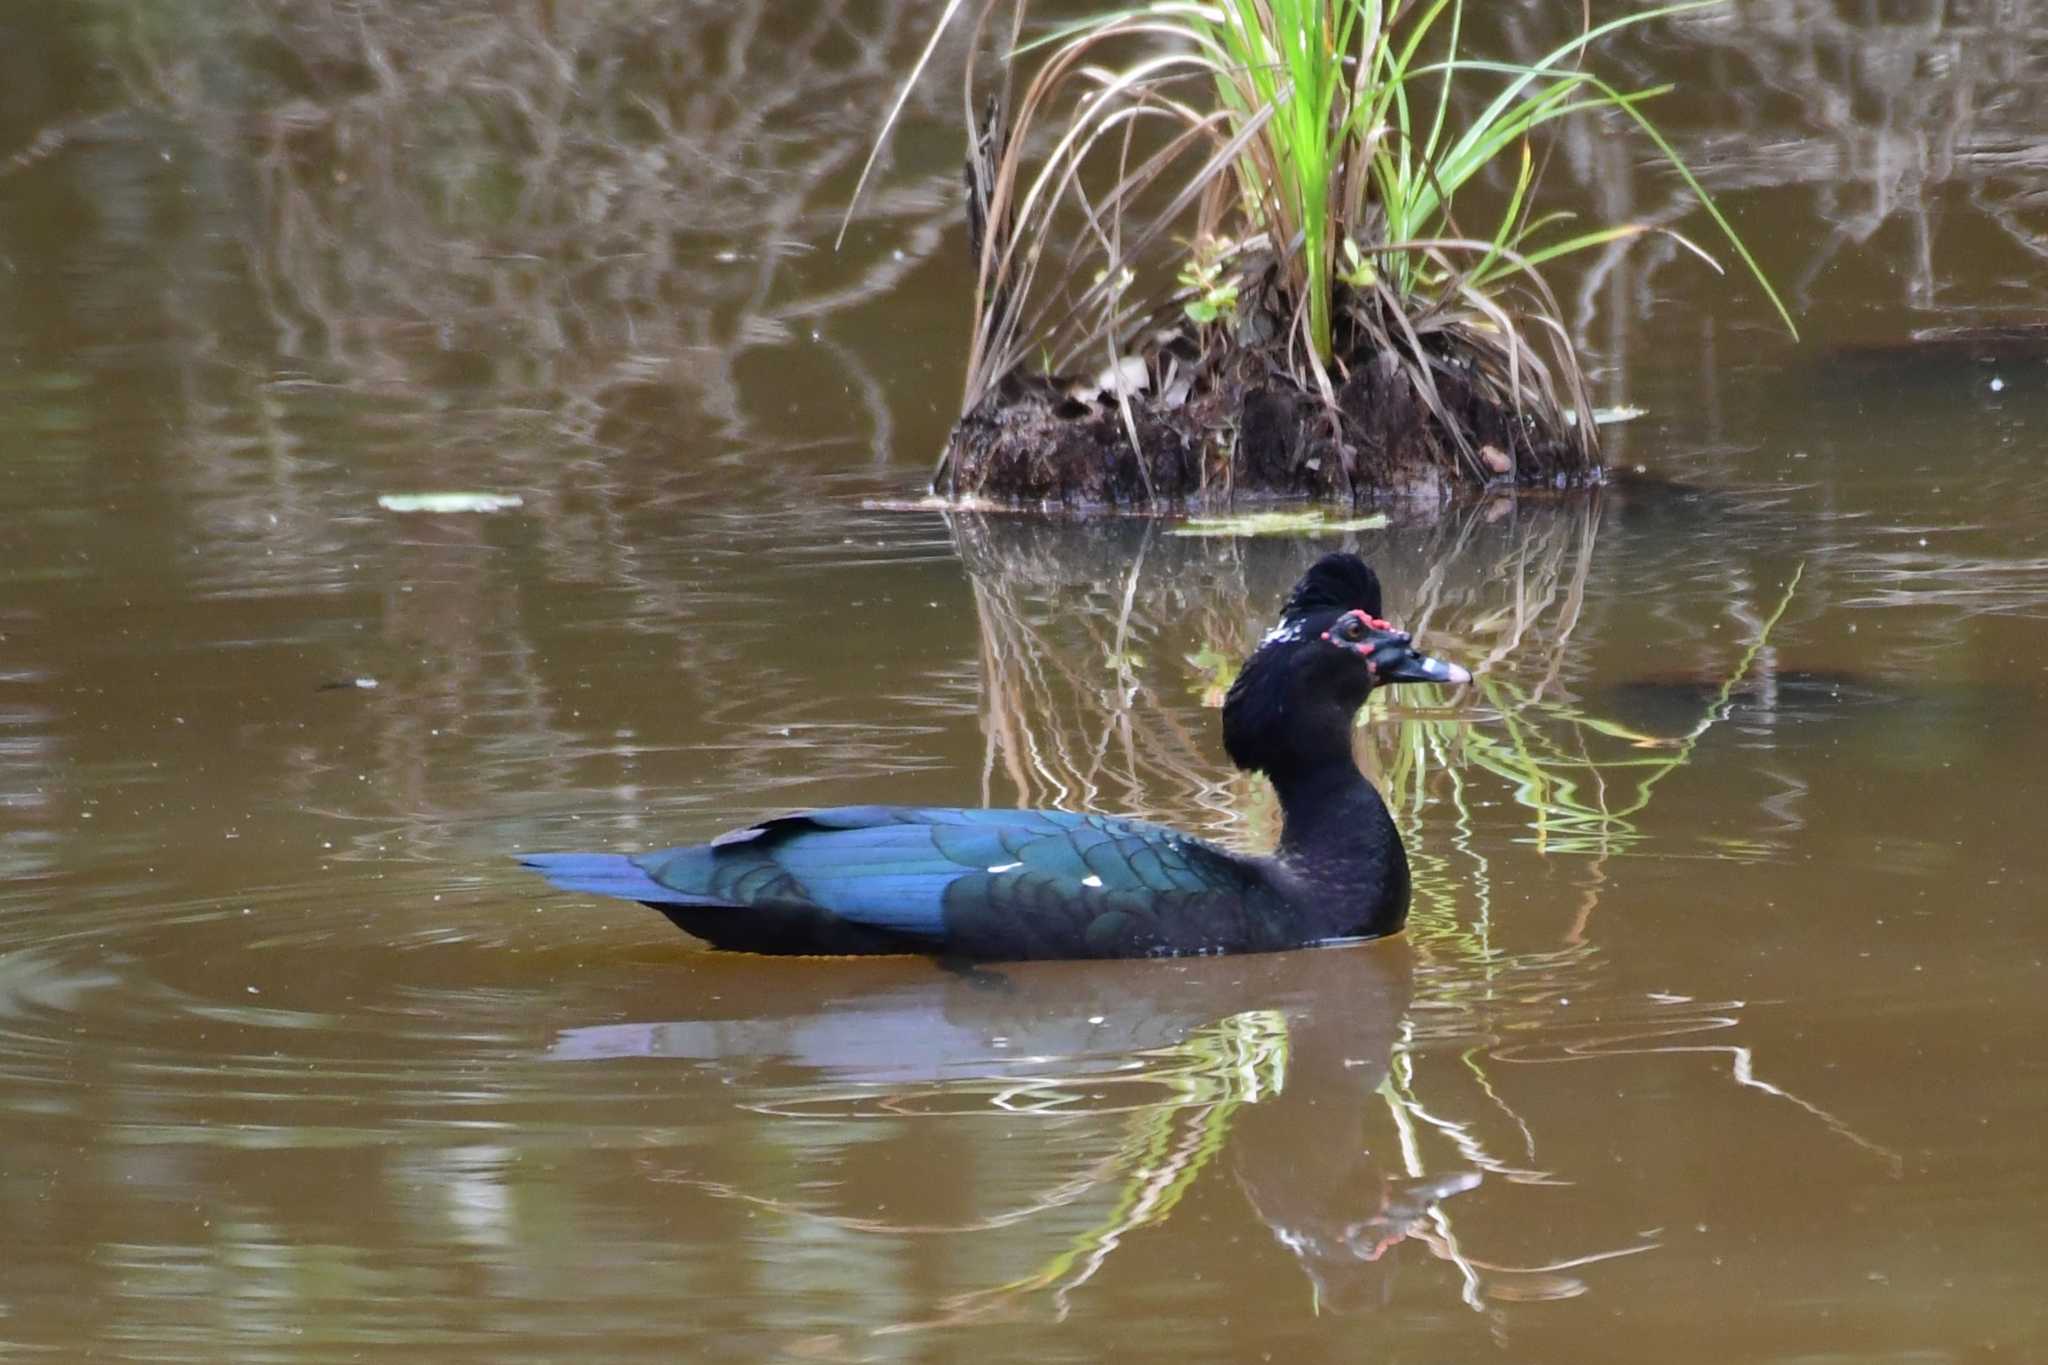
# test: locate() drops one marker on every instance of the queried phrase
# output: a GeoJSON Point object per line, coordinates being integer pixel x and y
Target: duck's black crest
{"type": "Point", "coordinates": [1336, 582]}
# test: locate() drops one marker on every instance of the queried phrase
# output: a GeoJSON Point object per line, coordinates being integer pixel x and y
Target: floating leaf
{"type": "Point", "coordinates": [449, 502]}
{"type": "Point", "coordinates": [1607, 417]}
{"type": "Point", "coordinates": [1277, 524]}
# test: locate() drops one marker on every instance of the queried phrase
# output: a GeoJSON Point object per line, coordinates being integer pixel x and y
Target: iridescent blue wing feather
{"type": "Point", "coordinates": [977, 883]}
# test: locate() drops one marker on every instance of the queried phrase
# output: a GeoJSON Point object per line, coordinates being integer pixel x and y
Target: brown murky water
{"type": "Point", "coordinates": [1719, 1032]}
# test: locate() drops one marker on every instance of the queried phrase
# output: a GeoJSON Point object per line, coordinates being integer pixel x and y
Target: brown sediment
{"type": "Point", "coordinates": [1240, 426]}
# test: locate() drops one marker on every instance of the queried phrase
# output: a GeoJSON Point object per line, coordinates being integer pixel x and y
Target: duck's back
{"type": "Point", "coordinates": [985, 884]}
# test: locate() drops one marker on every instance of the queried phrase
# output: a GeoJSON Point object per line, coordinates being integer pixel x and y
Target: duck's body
{"type": "Point", "coordinates": [998, 885]}
{"type": "Point", "coordinates": [991, 885]}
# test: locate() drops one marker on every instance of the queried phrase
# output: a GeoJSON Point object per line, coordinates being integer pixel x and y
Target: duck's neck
{"type": "Point", "coordinates": [1337, 836]}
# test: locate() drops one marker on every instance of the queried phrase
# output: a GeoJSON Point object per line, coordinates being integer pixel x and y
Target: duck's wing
{"type": "Point", "coordinates": [990, 884]}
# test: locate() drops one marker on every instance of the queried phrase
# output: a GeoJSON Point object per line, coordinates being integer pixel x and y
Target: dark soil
{"type": "Point", "coordinates": [1247, 430]}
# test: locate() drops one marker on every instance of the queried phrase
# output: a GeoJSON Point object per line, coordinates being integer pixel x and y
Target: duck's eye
{"type": "Point", "coordinates": [1350, 630]}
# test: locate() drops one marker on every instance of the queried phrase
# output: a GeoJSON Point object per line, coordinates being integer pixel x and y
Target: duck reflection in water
{"type": "Point", "coordinates": [1279, 1061]}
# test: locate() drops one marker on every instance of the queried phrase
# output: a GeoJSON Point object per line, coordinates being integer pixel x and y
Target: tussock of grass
{"type": "Point", "coordinates": [1282, 177]}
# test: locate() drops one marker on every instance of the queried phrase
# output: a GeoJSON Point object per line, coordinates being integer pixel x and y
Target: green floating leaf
{"type": "Point", "coordinates": [449, 502]}
{"type": "Point", "coordinates": [1276, 524]}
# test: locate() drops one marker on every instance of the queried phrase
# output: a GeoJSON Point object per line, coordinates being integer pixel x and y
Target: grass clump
{"type": "Point", "coordinates": [1281, 180]}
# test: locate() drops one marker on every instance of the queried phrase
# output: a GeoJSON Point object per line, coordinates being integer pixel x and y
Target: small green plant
{"type": "Point", "coordinates": [1211, 289]}
{"type": "Point", "coordinates": [1357, 271]}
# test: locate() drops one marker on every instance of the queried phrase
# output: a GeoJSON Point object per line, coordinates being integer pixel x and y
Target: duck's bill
{"type": "Point", "coordinates": [1397, 660]}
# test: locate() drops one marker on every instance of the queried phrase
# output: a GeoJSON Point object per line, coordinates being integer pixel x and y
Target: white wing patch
{"type": "Point", "coordinates": [1091, 880]}
{"type": "Point", "coordinates": [1286, 633]}
{"type": "Point", "coordinates": [1005, 867]}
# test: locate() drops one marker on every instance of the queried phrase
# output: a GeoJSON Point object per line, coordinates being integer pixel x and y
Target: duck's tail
{"type": "Point", "coordinates": [604, 874]}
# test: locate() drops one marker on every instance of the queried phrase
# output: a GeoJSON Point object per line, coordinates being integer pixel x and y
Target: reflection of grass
{"type": "Point", "coordinates": [1064, 738]}
{"type": "Point", "coordinates": [1064, 730]}
{"type": "Point", "coordinates": [598, 202]}
{"type": "Point", "coordinates": [1482, 1280]}
{"type": "Point", "coordinates": [1168, 1140]}
{"type": "Point", "coordinates": [1558, 758]}
{"type": "Point", "coordinates": [1239, 1060]}
{"type": "Point", "coordinates": [1575, 781]}
{"type": "Point", "coordinates": [1583, 781]}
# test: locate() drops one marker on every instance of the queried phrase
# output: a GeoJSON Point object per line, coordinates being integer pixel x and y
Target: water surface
{"type": "Point", "coordinates": [1717, 1032]}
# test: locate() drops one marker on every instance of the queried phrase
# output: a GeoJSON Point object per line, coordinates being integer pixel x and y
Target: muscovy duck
{"type": "Point", "coordinates": [1005, 885]}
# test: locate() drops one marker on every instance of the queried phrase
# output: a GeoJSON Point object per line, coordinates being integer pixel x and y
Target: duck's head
{"type": "Point", "coordinates": [1295, 700]}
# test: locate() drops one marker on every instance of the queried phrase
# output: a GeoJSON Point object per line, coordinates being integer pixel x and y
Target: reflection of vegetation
{"type": "Point", "coordinates": [1237, 1060]}
{"type": "Point", "coordinates": [1179, 1107]}
{"type": "Point", "coordinates": [1581, 780]}
{"type": "Point", "coordinates": [1062, 736]}
{"type": "Point", "coordinates": [1879, 134]}
{"type": "Point", "coordinates": [1545, 754]}
{"type": "Point", "coordinates": [1046, 628]}
{"type": "Point", "coordinates": [582, 205]}
{"type": "Point", "coordinates": [1176, 1104]}
{"type": "Point", "coordinates": [1167, 1145]}
{"type": "Point", "coordinates": [1040, 638]}
{"type": "Point", "coordinates": [385, 246]}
